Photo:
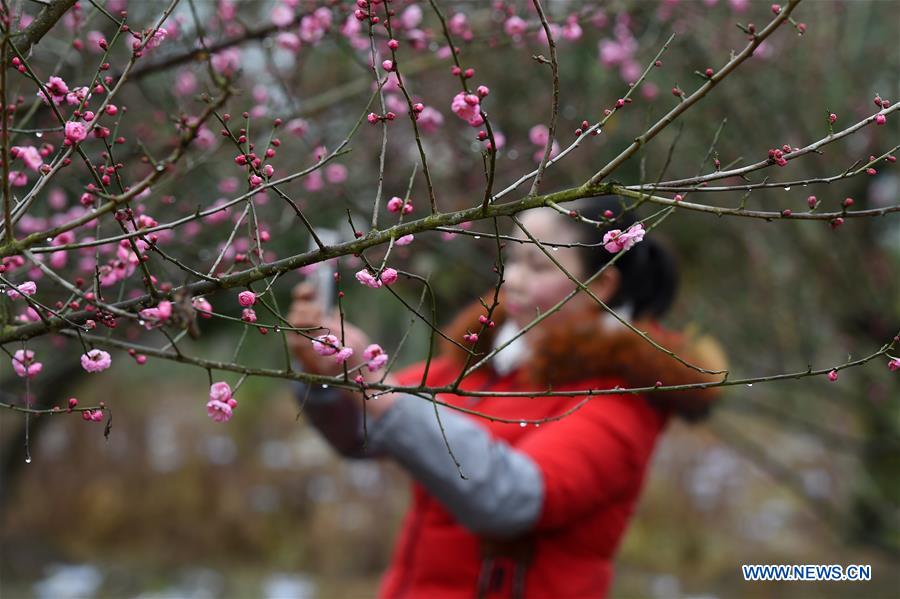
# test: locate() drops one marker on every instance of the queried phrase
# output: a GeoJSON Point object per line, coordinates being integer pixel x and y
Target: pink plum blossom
{"type": "Point", "coordinates": [202, 305]}
{"type": "Point", "coordinates": [343, 354]}
{"type": "Point", "coordinates": [297, 126]}
{"type": "Point", "coordinates": [219, 411]}
{"type": "Point", "coordinates": [246, 298]}
{"type": "Point", "coordinates": [329, 345]}
{"type": "Point", "coordinates": [227, 61]}
{"type": "Point", "coordinates": [282, 15]}
{"type": "Point", "coordinates": [894, 364]}
{"type": "Point", "coordinates": [366, 278]}
{"type": "Point", "coordinates": [326, 345]}
{"type": "Point", "coordinates": [185, 83]}
{"type": "Point", "coordinates": [157, 38]}
{"type": "Point", "coordinates": [375, 357]}
{"type": "Point", "coordinates": [335, 173]}
{"type": "Point", "coordinates": [96, 360]}
{"type": "Point", "coordinates": [158, 315]}
{"type": "Point", "coordinates": [26, 288]}
{"type": "Point", "coordinates": [389, 276]}
{"type": "Point", "coordinates": [314, 26]}
{"type": "Point", "coordinates": [92, 415]}
{"type": "Point", "coordinates": [571, 31]}
{"type": "Point", "coordinates": [75, 132]}
{"type": "Point", "coordinates": [57, 89]}
{"type": "Point", "coordinates": [466, 106]}
{"type": "Point", "coordinates": [30, 156]}
{"type": "Point", "coordinates": [77, 96]}
{"type": "Point", "coordinates": [220, 391]}
{"type": "Point", "coordinates": [542, 35]}
{"type": "Point", "coordinates": [395, 204]}
{"type": "Point", "coordinates": [539, 134]}
{"type": "Point", "coordinates": [430, 120]}
{"type": "Point", "coordinates": [554, 152]}
{"type": "Point", "coordinates": [18, 179]}
{"type": "Point", "coordinates": [411, 16]}
{"type": "Point", "coordinates": [515, 26]}
{"type": "Point", "coordinates": [288, 41]}
{"type": "Point", "coordinates": [206, 139]}
{"type": "Point", "coordinates": [458, 24]}
{"type": "Point", "coordinates": [616, 241]}
{"type": "Point", "coordinates": [313, 181]}
{"type": "Point", "coordinates": [24, 365]}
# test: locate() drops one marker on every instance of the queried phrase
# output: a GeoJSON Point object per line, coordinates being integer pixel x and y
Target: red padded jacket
{"type": "Point", "coordinates": [592, 461]}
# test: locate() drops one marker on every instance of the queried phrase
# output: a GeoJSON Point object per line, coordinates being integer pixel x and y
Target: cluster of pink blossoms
{"type": "Point", "coordinates": [329, 345]}
{"type": "Point", "coordinates": [375, 357]}
{"type": "Point", "coordinates": [58, 92]}
{"type": "Point", "coordinates": [388, 276]}
{"type": "Point", "coordinates": [312, 27]}
{"type": "Point", "coordinates": [156, 38]}
{"type": "Point", "coordinates": [24, 364]}
{"type": "Point", "coordinates": [468, 108]}
{"type": "Point", "coordinates": [30, 155]}
{"type": "Point", "coordinates": [247, 299]}
{"type": "Point", "coordinates": [777, 155]}
{"type": "Point", "coordinates": [221, 404]}
{"type": "Point", "coordinates": [616, 241]}
{"type": "Point", "coordinates": [538, 135]}
{"type": "Point", "coordinates": [92, 415]}
{"type": "Point", "coordinates": [26, 288]}
{"type": "Point", "coordinates": [158, 315]}
{"type": "Point", "coordinates": [396, 204]}
{"type": "Point", "coordinates": [621, 50]}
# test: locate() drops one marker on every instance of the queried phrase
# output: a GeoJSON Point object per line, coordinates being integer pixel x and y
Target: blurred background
{"type": "Point", "coordinates": [173, 504]}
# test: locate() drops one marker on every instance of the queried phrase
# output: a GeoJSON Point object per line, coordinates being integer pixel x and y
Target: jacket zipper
{"type": "Point", "coordinates": [408, 554]}
{"type": "Point", "coordinates": [415, 527]}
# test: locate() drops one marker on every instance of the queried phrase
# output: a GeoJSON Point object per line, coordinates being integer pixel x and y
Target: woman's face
{"type": "Point", "coordinates": [533, 282]}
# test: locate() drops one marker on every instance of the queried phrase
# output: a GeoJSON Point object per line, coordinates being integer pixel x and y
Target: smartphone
{"type": "Point", "coordinates": [323, 276]}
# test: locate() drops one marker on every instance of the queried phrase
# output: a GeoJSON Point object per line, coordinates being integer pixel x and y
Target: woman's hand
{"type": "Point", "coordinates": [306, 312]}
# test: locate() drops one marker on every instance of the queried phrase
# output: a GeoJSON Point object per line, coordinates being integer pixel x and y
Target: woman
{"type": "Point", "coordinates": [540, 509]}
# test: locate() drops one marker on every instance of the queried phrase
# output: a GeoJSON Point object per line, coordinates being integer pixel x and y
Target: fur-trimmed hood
{"type": "Point", "coordinates": [586, 342]}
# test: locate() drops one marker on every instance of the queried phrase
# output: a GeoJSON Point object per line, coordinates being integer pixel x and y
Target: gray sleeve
{"type": "Point", "coordinates": [338, 419]}
{"type": "Point", "coordinates": [502, 494]}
